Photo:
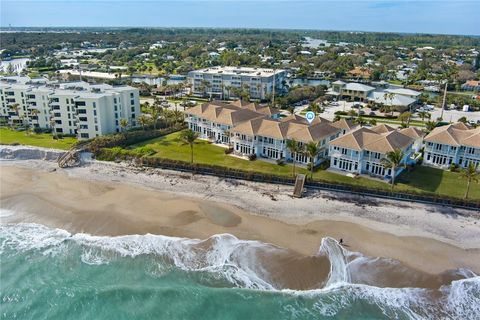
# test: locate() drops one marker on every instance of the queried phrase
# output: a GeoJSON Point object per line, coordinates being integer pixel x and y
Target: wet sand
{"type": "Point", "coordinates": [113, 208]}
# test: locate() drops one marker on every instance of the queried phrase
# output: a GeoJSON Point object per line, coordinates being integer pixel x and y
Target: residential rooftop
{"type": "Point", "coordinates": [456, 134]}
{"type": "Point", "coordinates": [370, 140]}
{"type": "Point", "coordinates": [240, 71]}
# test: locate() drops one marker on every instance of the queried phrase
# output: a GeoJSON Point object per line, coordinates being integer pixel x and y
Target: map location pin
{"type": "Point", "coordinates": [310, 116]}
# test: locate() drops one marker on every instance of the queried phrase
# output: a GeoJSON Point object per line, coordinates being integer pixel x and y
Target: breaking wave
{"type": "Point", "coordinates": [333, 280]}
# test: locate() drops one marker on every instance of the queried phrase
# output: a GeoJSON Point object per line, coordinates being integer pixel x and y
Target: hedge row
{"type": "Point", "coordinates": [126, 138]}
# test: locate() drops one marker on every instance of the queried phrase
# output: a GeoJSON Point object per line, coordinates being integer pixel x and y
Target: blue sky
{"type": "Point", "coordinates": [428, 16]}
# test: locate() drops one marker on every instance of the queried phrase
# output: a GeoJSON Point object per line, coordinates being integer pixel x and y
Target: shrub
{"type": "Point", "coordinates": [453, 167]}
{"type": "Point", "coordinates": [252, 157]}
{"type": "Point", "coordinates": [229, 150]}
{"type": "Point", "coordinates": [125, 139]}
{"type": "Point", "coordinates": [324, 165]}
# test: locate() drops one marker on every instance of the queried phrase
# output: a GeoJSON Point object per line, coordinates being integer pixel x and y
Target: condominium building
{"type": "Point", "coordinates": [452, 144]}
{"type": "Point", "coordinates": [361, 151]}
{"type": "Point", "coordinates": [251, 129]}
{"type": "Point", "coordinates": [72, 108]}
{"type": "Point", "coordinates": [227, 82]}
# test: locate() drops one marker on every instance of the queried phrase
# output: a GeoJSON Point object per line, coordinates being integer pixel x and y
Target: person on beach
{"type": "Point", "coordinates": [341, 241]}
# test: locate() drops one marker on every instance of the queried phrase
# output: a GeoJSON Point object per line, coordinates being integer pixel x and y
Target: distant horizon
{"type": "Point", "coordinates": [436, 17]}
{"type": "Point", "coordinates": [16, 29]}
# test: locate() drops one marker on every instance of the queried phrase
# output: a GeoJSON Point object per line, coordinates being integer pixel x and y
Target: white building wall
{"type": "Point", "coordinates": [103, 107]}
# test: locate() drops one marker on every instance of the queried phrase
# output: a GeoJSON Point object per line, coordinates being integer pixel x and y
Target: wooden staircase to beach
{"type": "Point", "coordinates": [70, 158]}
{"type": "Point", "coordinates": [299, 183]}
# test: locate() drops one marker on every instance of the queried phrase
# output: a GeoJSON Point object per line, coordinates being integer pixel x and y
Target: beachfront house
{"type": "Point", "coordinates": [267, 138]}
{"type": "Point", "coordinates": [417, 135]}
{"type": "Point", "coordinates": [361, 151]}
{"type": "Point", "coordinates": [455, 144]}
{"type": "Point", "coordinates": [213, 120]}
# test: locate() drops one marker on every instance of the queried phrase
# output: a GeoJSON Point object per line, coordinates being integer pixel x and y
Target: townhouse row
{"type": "Point", "coordinates": [72, 108]}
{"type": "Point", "coordinates": [251, 129]}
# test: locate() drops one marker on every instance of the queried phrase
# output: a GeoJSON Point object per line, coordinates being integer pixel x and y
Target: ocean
{"type": "Point", "coordinates": [48, 273]}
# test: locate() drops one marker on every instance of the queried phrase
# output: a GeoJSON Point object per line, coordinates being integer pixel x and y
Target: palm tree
{"type": "Point", "coordinates": [405, 118]}
{"type": "Point", "coordinates": [389, 96]}
{"type": "Point", "coordinates": [123, 124]}
{"type": "Point", "coordinates": [470, 173]}
{"type": "Point", "coordinates": [360, 121]}
{"type": "Point", "coordinates": [155, 111]}
{"type": "Point", "coordinates": [295, 148]}
{"type": "Point", "coordinates": [52, 124]}
{"type": "Point", "coordinates": [352, 113]}
{"type": "Point", "coordinates": [430, 125]}
{"type": "Point", "coordinates": [188, 137]}
{"type": "Point", "coordinates": [15, 107]}
{"type": "Point", "coordinates": [312, 150]}
{"type": "Point", "coordinates": [143, 120]}
{"type": "Point", "coordinates": [423, 115]}
{"type": "Point", "coordinates": [177, 116]}
{"type": "Point", "coordinates": [392, 161]}
{"type": "Point", "coordinates": [35, 113]}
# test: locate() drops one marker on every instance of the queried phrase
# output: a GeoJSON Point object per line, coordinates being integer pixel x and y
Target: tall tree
{"type": "Point", "coordinates": [470, 173]}
{"type": "Point", "coordinates": [392, 161]}
{"type": "Point", "coordinates": [123, 124]}
{"type": "Point", "coordinates": [143, 120]}
{"type": "Point", "coordinates": [295, 148]}
{"type": "Point", "coordinates": [312, 150]}
{"type": "Point", "coordinates": [188, 137]}
{"type": "Point", "coordinates": [423, 115]}
{"type": "Point", "coordinates": [430, 125]}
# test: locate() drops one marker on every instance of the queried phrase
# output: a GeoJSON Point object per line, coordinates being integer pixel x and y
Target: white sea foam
{"type": "Point", "coordinates": [236, 261]}
{"type": "Point", "coordinates": [31, 236]}
{"type": "Point", "coordinates": [336, 254]}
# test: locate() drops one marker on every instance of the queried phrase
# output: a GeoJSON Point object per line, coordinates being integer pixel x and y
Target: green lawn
{"type": "Point", "coordinates": [438, 181]}
{"type": "Point", "coordinates": [9, 136]}
{"type": "Point", "coordinates": [421, 179]}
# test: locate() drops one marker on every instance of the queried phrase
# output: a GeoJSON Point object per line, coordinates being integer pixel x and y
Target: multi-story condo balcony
{"type": "Point", "coordinates": [97, 103]}
{"type": "Point", "coordinates": [453, 144]}
{"type": "Point", "coordinates": [219, 81]}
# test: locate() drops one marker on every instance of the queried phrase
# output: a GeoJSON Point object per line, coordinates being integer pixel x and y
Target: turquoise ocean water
{"type": "Point", "coordinates": [48, 273]}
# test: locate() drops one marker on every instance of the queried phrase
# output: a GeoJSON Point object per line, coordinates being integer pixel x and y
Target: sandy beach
{"type": "Point", "coordinates": [115, 199]}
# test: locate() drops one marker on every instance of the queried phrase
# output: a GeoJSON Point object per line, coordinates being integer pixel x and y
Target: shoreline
{"type": "Point", "coordinates": [114, 199]}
